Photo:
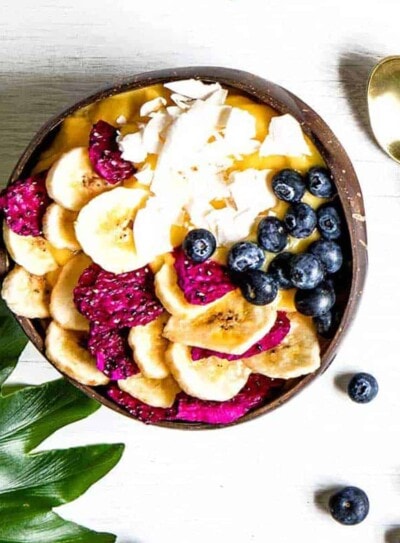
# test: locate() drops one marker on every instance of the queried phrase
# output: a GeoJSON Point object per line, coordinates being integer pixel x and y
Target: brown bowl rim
{"type": "Point", "coordinates": [335, 156]}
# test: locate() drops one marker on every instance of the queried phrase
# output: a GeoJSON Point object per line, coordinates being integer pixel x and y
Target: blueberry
{"type": "Point", "coordinates": [319, 182]}
{"type": "Point", "coordinates": [324, 324]}
{"type": "Point", "coordinates": [199, 244]}
{"type": "Point", "coordinates": [349, 506]}
{"type": "Point", "coordinates": [288, 185]}
{"type": "Point", "coordinates": [329, 222]}
{"type": "Point", "coordinates": [329, 253]}
{"type": "Point", "coordinates": [279, 268]}
{"type": "Point", "coordinates": [272, 235]}
{"type": "Point", "coordinates": [363, 387]}
{"type": "Point", "coordinates": [300, 220]}
{"type": "Point", "coordinates": [315, 302]}
{"type": "Point", "coordinates": [258, 287]}
{"type": "Point", "coordinates": [306, 271]}
{"type": "Point", "coordinates": [245, 256]}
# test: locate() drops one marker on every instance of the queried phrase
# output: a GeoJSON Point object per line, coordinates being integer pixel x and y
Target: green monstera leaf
{"type": "Point", "coordinates": [32, 483]}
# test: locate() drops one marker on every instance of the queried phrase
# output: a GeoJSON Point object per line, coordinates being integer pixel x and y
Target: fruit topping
{"type": "Point", "coordinates": [245, 256]}
{"type": "Point", "coordinates": [329, 222]}
{"type": "Point", "coordinates": [199, 245]}
{"type": "Point", "coordinates": [315, 302]}
{"type": "Point", "coordinates": [319, 182]}
{"type": "Point", "coordinates": [24, 204]}
{"type": "Point", "coordinates": [363, 387]}
{"type": "Point", "coordinates": [306, 271]}
{"type": "Point", "coordinates": [117, 301]}
{"type": "Point", "coordinates": [272, 234]}
{"type": "Point", "coordinates": [269, 341]}
{"type": "Point", "coordinates": [105, 155]}
{"type": "Point", "coordinates": [288, 185]}
{"type": "Point", "coordinates": [329, 254]}
{"type": "Point", "coordinates": [279, 268]}
{"type": "Point", "coordinates": [300, 220]}
{"type": "Point", "coordinates": [201, 283]}
{"type": "Point", "coordinates": [349, 506]}
{"type": "Point", "coordinates": [258, 287]}
{"type": "Point", "coordinates": [324, 324]}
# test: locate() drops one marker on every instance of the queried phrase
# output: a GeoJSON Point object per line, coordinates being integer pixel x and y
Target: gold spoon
{"type": "Point", "coordinates": [384, 105]}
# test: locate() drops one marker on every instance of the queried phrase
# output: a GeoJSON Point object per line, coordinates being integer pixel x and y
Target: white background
{"type": "Point", "coordinates": [266, 480]}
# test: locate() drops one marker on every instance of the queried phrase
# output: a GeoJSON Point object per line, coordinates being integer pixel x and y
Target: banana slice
{"type": "Point", "coordinates": [155, 392]}
{"type": "Point", "coordinates": [72, 182]}
{"type": "Point", "coordinates": [149, 347]}
{"type": "Point", "coordinates": [25, 294]}
{"type": "Point", "coordinates": [172, 297]}
{"type": "Point", "coordinates": [62, 307]}
{"type": "Point", "coordinates": [298, 354]}
{"type": "Point", "coordinates": [58, 227]}
{"type": "Point", "coordinates": [104, 229]}
{"type": "Point", "coordinates": [231, 325]}
{"type": "Point", "coordinates": [63, 348]}
{"type": "Point", "coordinates": [31, 252]}
{"type": "Point", "coordinates": [208, 379]}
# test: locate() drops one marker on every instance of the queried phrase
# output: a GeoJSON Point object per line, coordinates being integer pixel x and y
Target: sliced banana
{"type": "Point", "coordinates": [155, 392]}
{"type": "Point", "coordinates": [104, 229]}
{"type": "Point", "coordinates": [25, 294]}
{"type": "Point", "coordinates": [208, 379]}
{"type": "Point", "coordinates": [31, 252]}
{"type": "Point", "coordinates": [231, 325]}
{"type": "Point", "coordinates": [72, 182]}
{"type": "Point", "coordinates": [298, 354]}
{"type": "Point", "coordinates": [172, 297]}
{"type": "Point", "coordinates": [149, 346]}
{"type": "Point", "coordinates": [58, 227]}
{"type": "Point", "coordinates": [64, 349]}
{"type": "Point", "coordinates": [62, 307]}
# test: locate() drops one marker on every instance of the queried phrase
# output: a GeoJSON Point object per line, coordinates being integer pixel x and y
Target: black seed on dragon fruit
{"type": "Point", "coordinates": [105, 156]}
{"type": "Point", "coordinates": [24, 203]}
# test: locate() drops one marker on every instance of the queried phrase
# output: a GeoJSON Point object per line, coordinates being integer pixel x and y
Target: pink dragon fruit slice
{"type": "Point", "coordinates": [24, 204]}
{"type": "Point", "coordinates": [111, 349]}
{"type": "Point", "coordinates": [143, 412]}
{"type": "Point", "coordinates": [256, 391]}
{"type": "Point", "coordinates": [105, 155]}
{"type": "Point", "coordinates": [201, 283]}
{"type": "Point", "coordinates": [273, 338]}
{"type": "Point", "coordinates": [117, 301]}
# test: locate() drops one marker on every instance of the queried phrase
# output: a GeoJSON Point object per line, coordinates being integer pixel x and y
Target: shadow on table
{"type": "Point", "coordinates": [321, 497]}
{"type": "Point", "coordinates": [393, 535]}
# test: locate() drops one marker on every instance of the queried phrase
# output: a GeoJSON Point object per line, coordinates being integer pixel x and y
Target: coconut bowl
{"type": "Point", "coordinates": [283, 101]}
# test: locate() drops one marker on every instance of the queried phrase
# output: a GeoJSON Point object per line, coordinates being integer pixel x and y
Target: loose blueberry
{"type": "Point", "coordinates": [329, 222]}
{"type": "Point", "coordinates": [279, 268]}
{"type": "Point", "coordinates": [199, 244]}
{"type": "Point", "coordinates": [324, 324]}
{"type": "Point", "coordinates": [258, 287]}
{"type": "Point", "coordinates": [245, 256]}
{"type": "Point", "coordinates": [329, 253]}
{"type": "Point", "coordinates": [289, 186]}
{"type": "Point", "coordinates": [300, 220]}
{"type": "Point", "coordinates": [315, 302]}
{"type": "Point", "coordinates": [363, 387]}
{"type": "Point", "coordinates": [306, 271]}
{"type": "Point", "coordinates": [272, 235]}
{"type": "Point", "coordinates": [349, 506]}
{"type": "Point", "coordinates": [319, 182]}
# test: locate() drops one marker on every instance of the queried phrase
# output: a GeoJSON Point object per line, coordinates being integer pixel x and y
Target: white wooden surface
{"type": "Point", "coordinates": [265, 480]}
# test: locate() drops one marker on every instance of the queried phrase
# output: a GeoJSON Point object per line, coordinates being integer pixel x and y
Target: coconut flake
{"type": "Point", "coordinates": [193, 88]}
{"type": "Point", "coordinates": [121, 120]}
{"type": "Point", "coordinates": [152, 106]}
{"type": "Point", "coordinates": [145, 175]}
{"type": "Point", "coordinates": [250, 190]}
{"type": "Point", "coordinates": [132, 147]}
{"type": "Point", "coordinates": [285, 137]}
{"type": "Point", "coordinates": [153, 131]}
{"type": "Point", "coordinates": [228, 225]}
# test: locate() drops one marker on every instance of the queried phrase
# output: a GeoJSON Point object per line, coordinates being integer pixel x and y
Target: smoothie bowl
{"type": "Point", "coordinates": [188, 247]}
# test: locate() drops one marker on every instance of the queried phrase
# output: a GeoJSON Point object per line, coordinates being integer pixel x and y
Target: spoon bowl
{"type": "Point", "coordinates": [383, 95]}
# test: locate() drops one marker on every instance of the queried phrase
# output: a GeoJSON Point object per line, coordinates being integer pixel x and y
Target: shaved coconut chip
{"type": "Point", "coordinates": [121, 119]}
{"type": "Point", "coordinates": [285, 137]}
{"type": "Point", "coordinates": [228, 225]}
{"type": "Point", "coordinates": [145, 175]}
{"type": "Point", "coordinates": [218, 97]}
{"type": "Point", "coordinates": [193, 88]}
{"type": "Point", "coordinates": [173, 111]}
{"type": "Point", "coordinates": [241, 125]}
{"type": "Point", "coordinates": [152, 106]}
{"type": "Point", "coordinates": [250, 190]}
{"type": "Point", "coordinates": [153, 130]}
{"type": "Point", "coordinates": [132, 147]}
{"type": "Point", "coordinates": [182, 102]}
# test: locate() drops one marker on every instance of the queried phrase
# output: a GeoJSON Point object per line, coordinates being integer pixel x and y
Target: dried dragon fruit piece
{"type": "Point", "coordinates": [105, 155]}
{"type": "Point", "coordinates": [111, 349]}
{"type": "Point", "coordinates": [24, 204]}
{"type": "Point", "coordinates": [201, 283]}
{"type": "Point", "coordinates": [271, 339]}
